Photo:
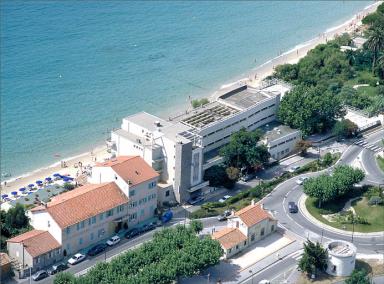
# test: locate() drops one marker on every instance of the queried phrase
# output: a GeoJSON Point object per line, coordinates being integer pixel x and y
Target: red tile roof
{"type": "Point", "coordinates": [84, 202]}
{"type": "Point", "coordinates": [229, 237]}
{"type": "Point", "coordinates": [253, 214]}
{"type": "Point", "coordinates": [131, 168]}
{"type": "Point", "coordinates": [36, 242]}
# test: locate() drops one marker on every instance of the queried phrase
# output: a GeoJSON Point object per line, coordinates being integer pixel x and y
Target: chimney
{"type": "Point", "coordinates": [232, 212]}
{"type": "Point", "coordinates": [262, 205]}
{"type": "Point", "coordinates": [253, 202]}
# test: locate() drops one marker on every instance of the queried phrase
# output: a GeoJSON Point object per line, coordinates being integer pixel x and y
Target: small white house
{"type": "Point", "coordinates": [341, 258]}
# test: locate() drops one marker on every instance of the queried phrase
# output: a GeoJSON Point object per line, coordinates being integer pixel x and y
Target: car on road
{"type": "Point", "coordinates": [41, 274]}
{"type": "Point", "coordinates": [224, 198]}
{"type": "Point", "coordinates": [293, 169]}
{"type": "Point", "coordinates": [95, 250]}
{"type": "Point", "coordinates": [224, 216]}
{"type": "Point", "coordinates": [114, 240]}
{"type": "Point", "coordinates": [148, 227]}
{"type": "Point", "coordinates": [194, 200]}
{"type": "Point", "coordinates": [57, 268]}
{"type": "Point", "coordinates": [247, 177]}
{"type": "Point", "coordinates": [77, 258]}
{"type": "Point", "coordinates": [265, 282]}
{"type": "Point", "coordinates": [292, 207]}
{"type": "Point", "coordinates": [132, 233]}
{"type": "Point", "coordinates": [301, 180]}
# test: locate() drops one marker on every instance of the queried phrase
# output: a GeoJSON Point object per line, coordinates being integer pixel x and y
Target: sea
{"type": "Point", "coordinates": [71, 70]}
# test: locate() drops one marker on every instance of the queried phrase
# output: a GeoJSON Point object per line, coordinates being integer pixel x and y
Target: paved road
{"type": "Point", "coordinates": [303, 228]}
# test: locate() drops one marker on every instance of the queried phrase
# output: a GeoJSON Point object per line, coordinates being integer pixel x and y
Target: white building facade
{"type": "Point", "coordinates": [341, 258]}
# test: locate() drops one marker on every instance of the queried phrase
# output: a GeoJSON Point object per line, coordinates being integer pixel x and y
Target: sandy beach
{"type": "Point", "coordinates": [253, 79]}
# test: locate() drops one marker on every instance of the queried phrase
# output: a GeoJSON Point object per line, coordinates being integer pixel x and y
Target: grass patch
{"type": "Point", "coordinates": [380, 162]}
{"type": "Point", "coordinates": [373, 214]}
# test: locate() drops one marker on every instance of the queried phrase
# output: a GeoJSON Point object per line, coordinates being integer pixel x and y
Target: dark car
{"type": "Point", "coordinates": [292, 207]}
{"type": "Point", "coordinates": [57, 268]}
{"type": "Point", "coordinates": [132, 233]}
{"type": "Point", "coordinates": [248, 177]}
{"type": "Point", "coordinates": [148, 227]}
{"type": "Point", "coordinates": [95, 250]}
{"type": "Point", "coordinates": [40, 275]}
{"type": "Point", "coordinates": [224, 216]}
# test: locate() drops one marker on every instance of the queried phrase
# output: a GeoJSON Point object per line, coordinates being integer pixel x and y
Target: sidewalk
{"type": "Point", "coordinates": [313, 220]}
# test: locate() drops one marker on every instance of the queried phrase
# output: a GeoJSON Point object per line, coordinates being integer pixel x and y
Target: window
{"type": "Point", "coordinates": [49, 224]}
{"type": "Point", "coordinates": [245, 243]}
{"type": "Point", "coordinates": [132, 216]}
{"type": "Point", "coordinates": [89, 222]}
{"type": "Point", "coordinates": [229, 251]}
{"type": "Point", "coordinates": [262, 232]}
{"type": "Point", "coordinates": [68, 230]}
{"type": "Point", "coordinates": [101, 216]}
{"type": "Point", "coordinates": [167, 193]}
{"type": "Point", "coordinates": [142, 212]}
{"type": "Point", "coordinates": [272, 228]}
{"type": "Point", "coordinates": [82, 224]}
{"type": "Point", "coordinates": [80, 241]}
{"type": "Point", "coordinates": [78, 226]}
{"type": "Point", "coordinates": [120, 208]}
{"type": "Point", "coordinates": [252, 237]}
{"type": "Point", "coordinates": [109, 213]}
{"type": "Point", "coordinates": [237, 246]}
{"type": "Point", "coordinates": [91, 237]}
{"type": "Point", "coordinates": [132, 193]}
{"type": "Point", "coordinates": [93, 219]}
{"type": "Point", "coordinates": [152, 185]}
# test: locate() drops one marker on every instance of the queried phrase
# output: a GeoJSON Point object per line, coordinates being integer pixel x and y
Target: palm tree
{"type": "Point", "coordinates": [375, 43]}
{"type": "Point", "coordinates": [380, 64]}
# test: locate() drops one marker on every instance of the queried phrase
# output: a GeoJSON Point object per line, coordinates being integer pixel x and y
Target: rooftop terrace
{"type": "Point", "coordinates": [341, 248]}
{"type": "Point", "coordinates": [276, 130]}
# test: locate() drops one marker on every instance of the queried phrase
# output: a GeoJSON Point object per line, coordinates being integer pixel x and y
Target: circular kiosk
{"type": "Point", "coordinates": [341, 258]}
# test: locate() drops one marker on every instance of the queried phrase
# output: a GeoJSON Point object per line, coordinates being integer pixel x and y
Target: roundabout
{"type": "Point", "coordinates": [304, 226]}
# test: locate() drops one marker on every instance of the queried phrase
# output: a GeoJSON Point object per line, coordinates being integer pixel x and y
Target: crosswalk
{"type": "Point", "coordinates": [297, 254]}
{"type": "Point", "coordinates": [369, 146]}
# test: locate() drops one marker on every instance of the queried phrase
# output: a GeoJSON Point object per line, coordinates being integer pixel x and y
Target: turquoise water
{"type": "Point", "coordinates": [71, 70]}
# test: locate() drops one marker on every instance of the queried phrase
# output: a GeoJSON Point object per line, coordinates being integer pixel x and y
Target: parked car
{"type": "Point", "coordinates": [95, 250]}
{"type": "Point", "coordinates": [292, 207]}
{"type": "Point", "coordinates": [265, 282]}
{"type": "Point", "coordinates": [41, 274]}
{"type": "Point", "coordinates": [224, 198]}
{"type": "Point", "coordinates": [132, 233]}
{"type": "Point", "coordinates": [293, 169]}
{"type": "Point", "coordinates": [57, 268]}
{"type": "Point", "coordinates": [301, 180]}
{"type": "Point", "coordinates": [195, 200]}
{"type": "Point", "coordinates": [224, 216]}
{"type": "Point", "coordinates": [77, 258]}
{"type": "Point", "coordinates": [247, 177]}
{"type": "Point", "coordinates": [114, 240]}
{"type": "Point", "coordinates": [148, 227]}
{"type": "Point", "coordinates": [167, 216]}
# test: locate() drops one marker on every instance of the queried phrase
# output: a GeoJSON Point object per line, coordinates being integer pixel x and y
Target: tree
{"type": "Point", "coordinates": [327, 160]}
{"type": "Point", "coordinates": [197, 226]}
{"type": "Point", "coordinates": [232, 173]}
{"type": "Point", "coordinates": [217, 176]}
{"type": "Point", "coordinates": [344, 129]}
{"type": "Point", "coordinates": [375, 42]}
{"type": "Point", "coordinates": [358, 277]}
{"type": "Point", "coordinates": [311, 109]}
{"type": "Point", "coordinates": [64, 278]}
{"type": "Point", "coordinates": [322, 188]}
{"type": "Point", "coordinates": [302, 146]}
{"type": "Point", "coordinates": [315, 257]}
{"type": "Point", "coordinates": [243, 152]}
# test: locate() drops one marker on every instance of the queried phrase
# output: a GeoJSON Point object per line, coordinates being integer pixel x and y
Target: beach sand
{"type": "Point", "coordinates": [253, 79]}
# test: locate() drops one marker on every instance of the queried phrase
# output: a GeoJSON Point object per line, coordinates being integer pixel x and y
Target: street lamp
{"type": "Point", "coordinates": [105, 251]}
{"type": "Point", "coordinates": [353, 226]}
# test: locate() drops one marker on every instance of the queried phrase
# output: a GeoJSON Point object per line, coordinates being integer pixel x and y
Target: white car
{"type": "Point", "coordinates": [301, 180]}
{"type": "Point", "coordinates": [114, 240]}
{"type": "Point", "coordinates": [225, 197]}
{"type": "Point", "coordinates": [76, 259]}
{"type": "Point", "coordinates": [293, 169]}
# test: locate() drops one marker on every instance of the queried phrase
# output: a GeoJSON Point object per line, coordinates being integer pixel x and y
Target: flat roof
{"type": "Point", "coordinates": [341, 248]}
{"type": "Point", "coordinates": [147, 120]}
{"type": "Point", "coordinates": [146, 142]}
{"type": "Point", "coordinates": [244, 97]}
{"type": "Point", "coordinates": [276, 130]}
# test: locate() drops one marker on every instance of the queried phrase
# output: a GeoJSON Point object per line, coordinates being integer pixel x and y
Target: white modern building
{"type": "Point", "coordinates": [183, 147]}
{"type": "Point", "coordinates": [341, 258]}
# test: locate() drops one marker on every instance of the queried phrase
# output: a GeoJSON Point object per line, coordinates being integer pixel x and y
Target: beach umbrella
{"type": "Point", "coordinates": [14, 192]}
{"type": "Point", "coordinates": [39, 182]}
{"type": "Point", "coordinates": [31, 185]}
{"type": "Point", "coordinates": [48, 178]}
{"type": "Point", "coordinates": [22, 189]}
{"type": "Point", "coordinates": [4, 196]}
{"type": "Point", "coordinates": [57, 175]}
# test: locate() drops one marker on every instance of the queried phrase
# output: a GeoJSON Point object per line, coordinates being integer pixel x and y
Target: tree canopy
{"type": "Point", "coordinates": [315, 257]}
{"type": "Point", "coordinates": [173, 253]}
{"type": "Point", "coordinates": [310, 109]}
{"type": "Point", "coordinates": [243, 150]}
{"type": "Point", "coordinates": [358, 277]}
{"type": "Point", "coordinates": [344, 129]}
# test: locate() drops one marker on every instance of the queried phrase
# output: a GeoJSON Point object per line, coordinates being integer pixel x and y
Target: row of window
{"type": "Point", "coordinates": [142, 201]}
{"type": "Point", "coordinates": [92, 220]}
{"type": "Point", "coordinates": [50, 254]}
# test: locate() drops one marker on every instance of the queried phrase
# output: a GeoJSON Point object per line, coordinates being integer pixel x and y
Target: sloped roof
{"type": "Point", "coordinates": [84, 202]}
{"type": "Point", "coordinates": [132, 169]}
{"type": "Point", "coordinates": [229, 237]}
{"type": "Point", "coordinates": [253, 214]}
{"type": "Point", "coordinates": [36, 242]}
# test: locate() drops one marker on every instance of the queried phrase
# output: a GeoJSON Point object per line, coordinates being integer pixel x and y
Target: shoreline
{"type": "Point", "coordinates": [253, 78]}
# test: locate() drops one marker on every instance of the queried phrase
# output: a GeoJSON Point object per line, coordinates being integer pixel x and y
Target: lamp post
{"type": "Point", "coordinates": [250, 271]}
{"type": "Point", "coordinates": [105, 251]}
{"type": "Point", "coordinates": [353, 225]}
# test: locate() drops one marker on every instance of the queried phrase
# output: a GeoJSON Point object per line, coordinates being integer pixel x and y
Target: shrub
{"type": "Point", "coordinates": [68, 186]}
